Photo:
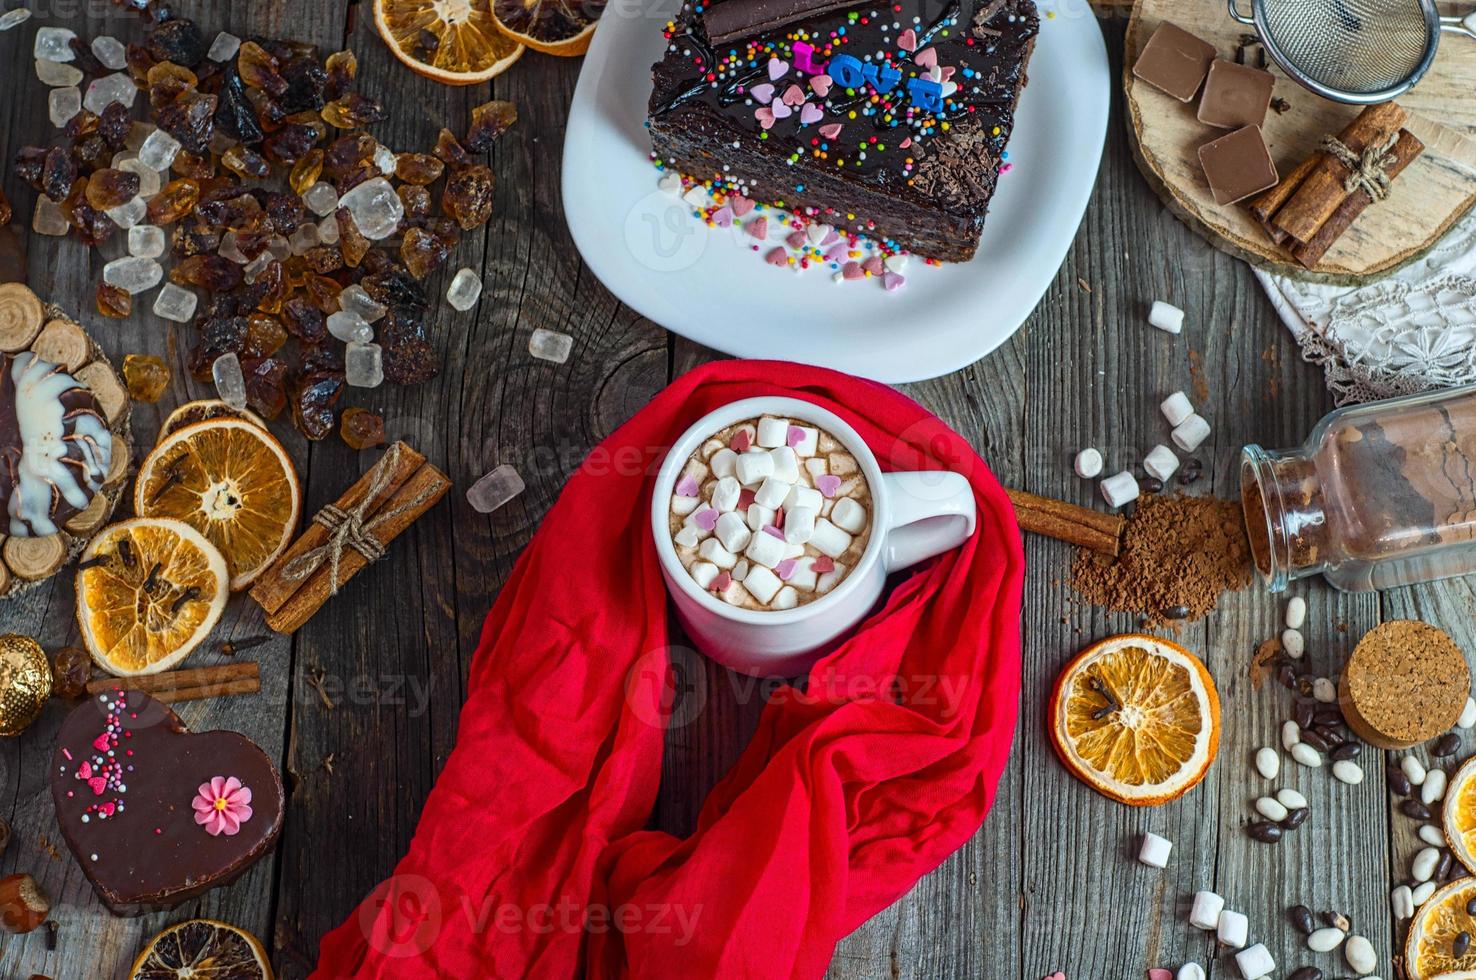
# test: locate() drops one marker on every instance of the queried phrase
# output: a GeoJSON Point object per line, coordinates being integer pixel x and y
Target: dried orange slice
{"type": "Point", "coordinates": [561, 27]}
{"type": "Point", "coordinates": [1459, 820]}
{"type": "Point", "coordinates": [1428, 950]}
{"type": "Point", "coordinates": [200, 411]}
{"type": "Point", "coordinates": [1136, 718]}
{"type": "Point", "coordinates": [203, 949]}
{"type": "Point", "coordinates": [232, 481]}
{"type": "Point", "coordinates": [148, 592]}
{"type": "Point", "coordinates": [453, 41]}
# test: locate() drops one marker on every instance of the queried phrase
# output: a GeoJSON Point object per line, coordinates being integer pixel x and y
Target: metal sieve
{"type": "Point", "coordinates": [1357, 51]}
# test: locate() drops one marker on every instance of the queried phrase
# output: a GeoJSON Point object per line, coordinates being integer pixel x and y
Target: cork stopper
{"type": "Point", "coordinates": [1405, 683]}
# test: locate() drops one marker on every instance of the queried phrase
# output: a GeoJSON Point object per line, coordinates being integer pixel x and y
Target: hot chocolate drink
{"type": "Point", "coordinates": [770, 513]}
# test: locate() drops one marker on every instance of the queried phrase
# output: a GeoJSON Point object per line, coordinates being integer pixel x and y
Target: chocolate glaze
{"type": "Point", "coordinates": [150, 853]}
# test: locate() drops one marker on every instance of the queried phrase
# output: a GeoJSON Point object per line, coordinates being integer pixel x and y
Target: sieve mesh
{"type": "Point", "coordinates": [1354, 46]}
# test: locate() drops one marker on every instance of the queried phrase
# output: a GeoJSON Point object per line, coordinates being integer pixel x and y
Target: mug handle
{"type": "Point", "coordinates": [931, 512]}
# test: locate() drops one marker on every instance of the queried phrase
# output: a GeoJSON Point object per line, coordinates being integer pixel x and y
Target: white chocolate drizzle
{"type": "Point", "coordinates": [47, 470]}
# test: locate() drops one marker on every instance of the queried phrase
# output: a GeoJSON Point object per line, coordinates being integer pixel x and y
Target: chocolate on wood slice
{"type": "Point", "coordinates": [1430, 196]}
{"type": "Point", "coordinates": [156, 814]}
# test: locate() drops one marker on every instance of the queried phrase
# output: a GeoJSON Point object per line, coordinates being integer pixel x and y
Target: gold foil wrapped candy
{"type": "Point", "coordinates": [25, 683]}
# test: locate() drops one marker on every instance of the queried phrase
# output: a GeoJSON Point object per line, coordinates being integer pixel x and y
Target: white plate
{"type": "Point", "coordinates": [659, 260]}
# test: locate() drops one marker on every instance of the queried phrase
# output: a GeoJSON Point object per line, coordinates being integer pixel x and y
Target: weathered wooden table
{"type": "Point", "coordinates": [1049, 883]}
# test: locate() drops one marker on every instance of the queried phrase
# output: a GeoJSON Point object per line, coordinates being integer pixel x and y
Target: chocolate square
{"type": "Point", "coordinates": [1175, 61]}
{"type": "Point", "coordinates": [1238, 165]}
{"type": "Point", "coordinates": [1235, 95]}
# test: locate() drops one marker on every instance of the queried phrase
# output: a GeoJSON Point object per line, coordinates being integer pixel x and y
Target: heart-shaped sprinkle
{"type": "Point", "coordinates": [98, 785]}
{"type": "Point", "coordinates": [947, 72]}
{"type": "Point", "coordinates": [723, 217]}
{"type": "Point", "coordinates": [794, 96]}
{"type": "Point", "coordinates": [831, 237]}
{"type": "Point", "coordinates": [84, 771]}
{"type": "Point", "coordinates": [830, 130]}
{"type": "Point", "coordinates": [687, 486]}
{"type": "Point", "coordinates": [777, 257]}
{"type": "Point", "coordinates": [934, 74]}
{"type": "Point", "coordinates": [907, 40]}
{"type": "Point", "coordinates": [810, 114]}
{"type": "Point", "coordinates": [892, 282]}
{"type": "Point", "coordinates": [795, 240]}
{"type": "Point", "coordinates": [1159, 973]}
{"type": "Point", "coordinates": [821, 84]}
{"type": "Point", "coordinates": [771, 529]}
{"type": "Point", "coordinates": [785, 569]}
{"type": "Point", "coordinates": [758, 228]}
{"type": "Point", "coordinates": [853, 270]}
{"type": "Point", "coordinates": [101, 743]}
{"type": "Point", "coordinates": [794, 436]}
{"type": "Point", "coordinates": [779, 517]}
{"type": "Point", "coordinates": [721, 583]}
{"type": "Point", "coordinates": [827, 484]}
{"type": "Point", "coordinates": [949, 88]}
{"type": "Point", "coordinates": [706, 518]}
{"type": "Point", "coordinates": [874, 265]}
{"type": "Point", "coordinates": [836, 254]}
{"type": "Point", "coordinates": [741, 440]}
{"type": "Point", "coordinates": [670, 182]}
{"type": "Point", "coordinates": [740, 204]}
{"type": "Point", "coordinates": [816, 233]}
{"type": "Point", "coordinates": [765, 116]}
{"type": "Point", "coordinates": [777, 69]}
{"type": "Point", "coordinates": [762, 93]}
{"type": "Point", "coordinates": [1058, 975]}
{"type": "Point", "coordinates": [822, 565]}
{"type": "Point", "coordinates": [926, 58]}
{"type": "Point", "coordinates": [108, 808]}
{"type": "Point", "coordinates": [745, 499]}
{"type": "Point", "coordinates": [781, 109]}
{"type": "Point", "coordinates": [905, 143]}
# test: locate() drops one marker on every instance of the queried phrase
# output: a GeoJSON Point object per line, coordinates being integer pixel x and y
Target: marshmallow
{"type": "Point", "coordinates": [1205, 913]}
{"type": "Point", "coordinates": [803, 497]}
{"type": "Point", "coordinates": [1088, 463]}
{"type": "Point", "coordinates": [709, 447]}
{"type": "Point", "coordinates": [793, 550]}
{"type": "Point", "coordinates": [848, 516]}
{"type": "Point", "coordinates": [753, 467]}
{"type": "Point", "coordinates": [740, 570]}
{"type": "Point", "coordinates": [732, 530]}
{"type": "Point", "coordinates": [1166, 317]}
{"type": "Point", "coordinates": [1234, 929]}
{"type": "Point", "coordinates": [805, 578]}
{"type": "Point", "coordinates": [1176, 408]}
{"type": "Point", "coordinates": [829, 580]}
{"type": "Point", "coordinates": [723, 462]}
{"type": "Point", "coordinates": [1155, 851]}
{"type": "Point", "coordinates": [1160, 463]}
{"type": "Point", "coordinates": [682, 506]}
{"type": "Point", "coordinates": [826, 508]}
{"type": "Point", "coordinates": [786, 599]}
{"type": "Point", "coordinates": [1120, 489]}
{"type": "Point", "coordinates": [772, 432]}
{"type": "Point", "coordinates": [758, 516]}
{"type": "Point", "coordinates": [688, 536]}
{"type": "Point", "coordinates": [809, 439]}
{"type": "Point", "coordinates": [765, 549]}
{"type": "Point", "coordinates": [829, 539]}
{"type": "Point", "coordinates": [703, 573]}
{"type": "Point", "coordinates": [816, 467]}
{"type": "Point", "coordinates": [761, 583]}
{"type": "Point", "coordinates": [725, 494]}
{"type": "Point", "coordinates": [786, 465]}
{"type": "Point", "coordinates": [712, 549]}
{"type": "Point", "coordinates": [1255, 962]}
{"type": "Point", "coordinates": [1190, 433]}
{"type": "Point", "coordinates": [799, 524]}
{"type": "Point", "coordinates": [696, 470]}
{"type": "Point", "coordinates": [842, 464]}
{"type": "Point", "coordinates": [772, 492]}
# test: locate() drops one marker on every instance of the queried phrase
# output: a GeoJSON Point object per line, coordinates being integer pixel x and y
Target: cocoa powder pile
{"type": "Point", "coordinates": [1178, 554]}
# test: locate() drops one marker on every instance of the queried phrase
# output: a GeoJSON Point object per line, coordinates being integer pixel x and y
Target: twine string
{"type": "Point", "coordinates": [1368, 170]}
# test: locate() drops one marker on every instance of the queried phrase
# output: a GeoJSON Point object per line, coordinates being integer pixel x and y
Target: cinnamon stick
{"type": "Point", "coordinates": [1323, 191]}
{"type": "Point", "coordinates": [427, 486]}
{"type": "Point", "coordinates": [1402, 154]}
{"type": "Point", "coordinates": [1080, 526]}
{"type": "Point", "coordinates": [1264, 208]}
{"type": "Point", "coordinates": [194, 684]}
{"type": "Point", "coordinates": [272, 590]}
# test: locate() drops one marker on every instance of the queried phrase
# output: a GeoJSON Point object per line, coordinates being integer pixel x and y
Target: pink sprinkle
{"type": "Point", "coordinates": [830, 130]}
{"type": "Point", "coordinates": [721, 583]}
{"type": "Point", "coordinates": [907, 40]}
{"type": "Point", "coordinates": [830, 238]}
{"type": "Point", "coordinates": [796, 240]}
{"type": "Point", "coordinates": [84, 771]}
{"type": "Point", "coordinates": [836, 253]}
{"type": "Point", "coordinates": [926, 58]}
{"type": "Point", "coordinates": [822, 565]}
{"type": "Point", "coordinates": [794, 96]}
{"type": "Point", "coordinates": [158, 830]}
{"type": "Point", "coordinates": [706, 518]}
{"type": "Point", "coordinates": [905, 143]}
{"type": "Point", "coordinates": [745, 497]}
{"type": "Point", "coordinates": [853, 270]}
{"type": "Point", "coordinates": [874, 265]}
{"type": "Point", "coordinates": [1007, 168]}
{"type": "Point", "coordinates": [892, 281]}
{"type": "Point", "coordinates": [740, 204]}
{"type": "Point", "coordinates": [785, 569]}
{"type": "Point", "coordinates": [68, 754]}
{"type": "Point", "coordinates": [107, 809]}
{"type": "Point", "coordinates": [777, 257]}
{"type": "Point", "coordinates": [723, 217]}
{"type": "Point", "coordinates": [794, 436]}
{"type": "Point", "coordinates": [1159, 973]}
{"type": "Point", "coordinates": [771, 529]}
{"type": "Point", "coordinates": [827, 484]}
{"type": "Point", "coordinates": [101, 742]}
{"type": "Point", "coordinates": [779, 517]}
{"type": "Point", "coordinates": [740, 442]}
{"type": "Point", "coordinates": [758, 228]}
{"type": "Point", "coordinates": [762, 93]}
{"type": "Point", "coordinates": [821, 85]}
{"type": "Point", "coordinates": [687, 486]}
{"type": "Point", "coordinates": [98, 785]}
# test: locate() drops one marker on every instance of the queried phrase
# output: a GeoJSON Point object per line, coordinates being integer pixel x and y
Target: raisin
{"type": "Point", "coordinates": [348, 153]}
{"type": "Point", "coordinates": [58, 174]}
{"type": "Point", "coordinates": [286, 211]}
{"type": "Point", "coordinates": [194, 237]}
{"type": "Point", "coordinates": [110, 188]}
{"type": "Point", "coordinates": [351, 242]}
{"type": "Point", "coordinates": [408, 356]}
{"type": "Point", "coordinates": [174, 200]}
{"type": "Point", "coordinates": [468, 196]}
{"type": "Point", "coordinates": [422, 252]}
{"type": "Point", "coordinates": [179, 41]}
{"type": "Point", "coordinates": [191, 120]}
{"type": "Point", "coordinates": [83, 59]}
{"type": "Point", "coordinates": [113, 301]}
{"type": "Point", "coordinates": [361, 428]}
{"type": "Point", "coordinates": [218, 336]}
{"type": "Point", "coordinates": [489, 121]}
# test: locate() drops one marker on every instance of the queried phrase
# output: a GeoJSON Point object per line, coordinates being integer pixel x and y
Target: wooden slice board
{"type": "Point", "coordinates": [1431, 195]}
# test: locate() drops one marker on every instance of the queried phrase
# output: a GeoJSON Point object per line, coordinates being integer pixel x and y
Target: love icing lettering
{"type": "Point", "coordinates": [851, 72]}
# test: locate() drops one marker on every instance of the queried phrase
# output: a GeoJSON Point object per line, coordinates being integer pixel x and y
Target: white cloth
{"type": "Point", "coordinates": [1411, 331]}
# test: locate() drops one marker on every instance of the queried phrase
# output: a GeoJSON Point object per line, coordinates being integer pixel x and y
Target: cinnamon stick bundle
{"type": "Point", "coordinates": [1264, 208]}
{"type": "Point", "coordinates": [1080, 526]}
{"type": "Point", "coordinates": [194, 684]}
{"type": "Point", "coordinates": [1324, 189]}
{"type": "Point", "coordinates": [1402, 154]}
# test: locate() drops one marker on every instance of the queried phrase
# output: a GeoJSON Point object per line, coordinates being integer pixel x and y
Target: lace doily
{"type": "Point", "coordinates": [1413, 331]}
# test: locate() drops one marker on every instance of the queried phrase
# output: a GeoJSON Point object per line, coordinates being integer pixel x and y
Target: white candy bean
{"type": "Point", "coordinates": [1432, 835]}
{"type": "Point", "coordinates": [1401, 900]}
{"type": "Point", "coordinates": [1422, 893]}
{"type": "Point", "coordinates": [1468, 714]}
{"type": "Point", "coordinates": [1433, 788]}
{"type": "Point", "coordinates": [1291, 734]}
{"type": "Point", "coordinates": [1293, 643]}
{"type": "Point", "coordinates": [1190, 971]}
{"type": "Point", "coordinates": [1296, 613]}
{"type": "Point", "coordinates": [1271, 809]}
{"type": "Point", "coordinates": [1325, 940]}
{"type": "Point", "coordinates": [1360, 955]}
{"type": "Point", "coordinates": [1422, 868]}
{"type": "Point", "coordinates": [1291, 799]}
{"type": "Point", "coordinates": [1306, 755]}
{"type": "Point", "coordinates": [1268, 762]}
{"type": "Point", "coordinates": [1347, 771]}
{"type": "Point", "coordinates": [1324, 691]}
{"type": "Point", "coordinates": [1414, 769]}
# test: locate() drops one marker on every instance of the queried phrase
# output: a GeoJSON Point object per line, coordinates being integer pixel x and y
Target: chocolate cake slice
{"type": "Point", "coordinates": [889, 120]}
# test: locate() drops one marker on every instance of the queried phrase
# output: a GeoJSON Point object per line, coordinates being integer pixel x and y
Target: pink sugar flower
{"type": "Point", "coordinates": [222, 806]}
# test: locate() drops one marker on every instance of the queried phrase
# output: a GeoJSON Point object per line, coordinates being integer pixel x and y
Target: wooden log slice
{"type": "Point", "coordinates": [1435, 192]}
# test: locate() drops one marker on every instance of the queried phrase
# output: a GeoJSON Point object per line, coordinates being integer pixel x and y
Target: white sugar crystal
{"type": "Point", "coordinates": [148, 180]}
{"type": "Point", "coordinates": [224, 47]}
{"type": "Point", "coordinates": [129, 213]}
{"type": "Point", "coordinates": [257, 266]}
{"type": "Point", "coordinates": [375, 207]}
{"type": "Point", "coordinates": [105, 91]}
{"type": "Point", "coordinates": [465, 289]}
{"type": "Point", "coordinates": [496, 489]}
{"type": "Point", "coordinates": [280, 248]}
{"type": "Point", "coordinates": [230, 250]}
{"type": "Point", "coordinates": [175, 303]}
{"type": "Point", "coordinates": [133, 274]}
{"type": "Point", "coordinates": [63, 104]}
{"type": "Point", "coordinates": [385, 159]}
{"type": "Point", "coordinates": [110, 51]}
{"type": "Point", "coordinates": [549, 346]}
{"type": "Point", "coordinates": [349, 327]}
{"type": "Point", "coordinates": [146, 241]}
{"type": "Point", "coordinates": [158, 150]}
{"type": "Point", "coordinates": [229, 384]}
{"type": "Point", "coordinates": [304, 238]}
{"type": "Point", "coordinates": [14, 18]}
{"type": "Point", "coordinates": [55, 44]}
{"type": "Point", "coordinates": [328, 230]}
{"type": "Point", "coordinates": [56, 73]}
{"type": "Point", "coordinates": [48, 218]}
{"type": "Point", "coordinates": [356, 299]}
{"type": "Point", "coordinates": [321, 198]}
{"type": "Point", "coordinates": [363, 365]}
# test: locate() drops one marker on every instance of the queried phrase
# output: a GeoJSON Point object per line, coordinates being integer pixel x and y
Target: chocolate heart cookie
{"type": "Point", "coordinates": [154, 813]}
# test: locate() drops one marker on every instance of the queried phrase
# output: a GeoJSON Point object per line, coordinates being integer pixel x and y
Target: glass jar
{"type": "Point", "coordinates": [1380, 495]}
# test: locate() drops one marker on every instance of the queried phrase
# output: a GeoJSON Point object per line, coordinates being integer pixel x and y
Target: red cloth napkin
{"type": "Point", "coordinates": [530, 859]}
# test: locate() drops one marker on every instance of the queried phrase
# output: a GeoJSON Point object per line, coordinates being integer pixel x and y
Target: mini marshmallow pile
{"type": "Point", "coordinates": [1189, 432]}
{"type": "Point", "coordinates": [766, 515]}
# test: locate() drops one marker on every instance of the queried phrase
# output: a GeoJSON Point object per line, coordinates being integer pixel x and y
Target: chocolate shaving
{"type": "Point", "coordinates": [735, 19]}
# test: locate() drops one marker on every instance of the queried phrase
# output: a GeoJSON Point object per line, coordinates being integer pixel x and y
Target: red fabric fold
{"type": "Point", "coordinates": [530, 858]}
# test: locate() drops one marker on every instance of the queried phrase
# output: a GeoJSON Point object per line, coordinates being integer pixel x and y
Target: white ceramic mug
{"type": "Point", "coordinates": [914, 517]}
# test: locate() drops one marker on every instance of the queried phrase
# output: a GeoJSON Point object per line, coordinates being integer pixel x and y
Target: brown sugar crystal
{"type": "Point", "coordinates": [1405, 682]}
{"type": "Point", "coordinates": [1178, 555]}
